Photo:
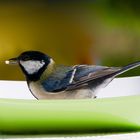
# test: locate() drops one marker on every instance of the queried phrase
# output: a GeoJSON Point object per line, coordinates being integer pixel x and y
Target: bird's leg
{"type": "Point", "coordinates": [93, 94]}
{"type": "Point", "coordinates": [95, 97]}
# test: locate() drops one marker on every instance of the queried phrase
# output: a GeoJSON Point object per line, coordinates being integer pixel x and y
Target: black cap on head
{"type": "Point", "coordinates": [33, 55]}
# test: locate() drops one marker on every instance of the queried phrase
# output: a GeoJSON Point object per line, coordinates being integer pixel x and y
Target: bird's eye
{"type": "Point", "coordinates": [25, 58]}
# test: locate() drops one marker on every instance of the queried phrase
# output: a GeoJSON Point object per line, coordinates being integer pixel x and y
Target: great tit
{"type": "Point", "coordinates": [47, 80]}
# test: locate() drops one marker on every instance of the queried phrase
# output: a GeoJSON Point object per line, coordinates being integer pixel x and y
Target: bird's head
{"type": "Point", "coordinates": [32, 63]}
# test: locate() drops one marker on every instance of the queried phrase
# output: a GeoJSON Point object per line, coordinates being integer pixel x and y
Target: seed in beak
{"type": "Point", "coordinates": [12, 61]}
{"type": "Point", "coordinates": [7, 62]}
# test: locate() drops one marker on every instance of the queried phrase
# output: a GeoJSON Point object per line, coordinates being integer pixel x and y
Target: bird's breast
{"type": "Point", "coordinates": [40, 93]}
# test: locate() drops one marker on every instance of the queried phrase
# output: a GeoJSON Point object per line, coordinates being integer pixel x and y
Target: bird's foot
{"type": "Point", "coordinates": [94, 97]}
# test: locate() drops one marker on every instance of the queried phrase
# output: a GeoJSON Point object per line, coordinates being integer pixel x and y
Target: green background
{"type": "Point", "coordinates": [104, 32]}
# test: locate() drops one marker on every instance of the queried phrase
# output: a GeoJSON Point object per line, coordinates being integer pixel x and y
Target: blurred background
{"type": "Point", "coordinates": [103, 32]}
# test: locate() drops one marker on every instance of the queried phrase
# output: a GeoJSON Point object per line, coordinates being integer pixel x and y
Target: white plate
{"type": "Point", "coordinates": [118, 87]}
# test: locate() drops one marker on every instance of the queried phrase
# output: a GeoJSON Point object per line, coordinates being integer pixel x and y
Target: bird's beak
{"type": "Point", "coordinates": [12, 61]}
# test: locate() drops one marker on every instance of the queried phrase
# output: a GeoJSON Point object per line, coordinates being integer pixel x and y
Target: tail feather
{"type": "Point", "coordinates": [128, 67]}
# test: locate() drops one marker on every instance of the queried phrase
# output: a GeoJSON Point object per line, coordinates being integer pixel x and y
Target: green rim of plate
{"type": "Point", "coordinates": [70, 116]}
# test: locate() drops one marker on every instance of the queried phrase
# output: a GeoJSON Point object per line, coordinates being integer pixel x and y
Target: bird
{"type": "Point", "coordinates": [48, 80]}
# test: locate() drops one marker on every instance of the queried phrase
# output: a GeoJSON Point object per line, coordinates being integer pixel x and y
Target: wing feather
{"type": "Point", "coordinates": [89, 74]}
{"type": "Point", "coordinates": [70, 78]}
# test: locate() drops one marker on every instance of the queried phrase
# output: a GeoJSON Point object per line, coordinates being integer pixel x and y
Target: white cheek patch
{"type": "Point", "coordinates": [32, 67]}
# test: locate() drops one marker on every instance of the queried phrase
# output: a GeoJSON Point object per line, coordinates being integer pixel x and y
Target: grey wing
{"type": "Point", "coordinates": [70, 78]}
{"type": "Point", "coordinates": [59, 80]}
{"type": "Point", "coordinates": [85, 74]}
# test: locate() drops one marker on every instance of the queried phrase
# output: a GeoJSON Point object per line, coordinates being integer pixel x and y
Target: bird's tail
{"type": "Point", "coordinates": [128, 67]}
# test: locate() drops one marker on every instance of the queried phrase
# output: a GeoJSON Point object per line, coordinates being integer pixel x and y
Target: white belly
{"type": "Point", "coordinates": [38, 91]}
